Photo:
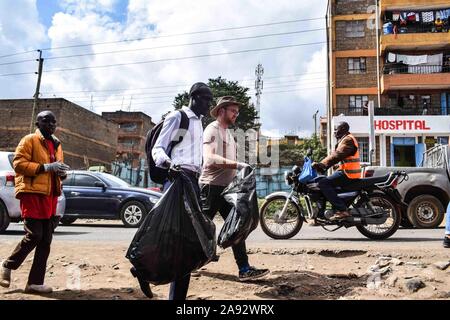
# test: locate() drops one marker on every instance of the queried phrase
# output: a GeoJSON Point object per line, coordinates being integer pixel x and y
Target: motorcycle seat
{"type": "Point", "coordinates": [359, 184]}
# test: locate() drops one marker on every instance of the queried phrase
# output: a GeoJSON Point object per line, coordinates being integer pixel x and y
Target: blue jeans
{"type": "Point", "coordinates": [447, 221]}
{"type": "Point", "coordinates": [328, 187]}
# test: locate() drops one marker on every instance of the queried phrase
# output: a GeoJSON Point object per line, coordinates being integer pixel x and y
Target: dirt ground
{"type": "Point", "coordinates": [100, 271]}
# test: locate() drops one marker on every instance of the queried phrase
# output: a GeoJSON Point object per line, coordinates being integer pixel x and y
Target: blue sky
{"type": "Point", "coordinates": [294, 77]}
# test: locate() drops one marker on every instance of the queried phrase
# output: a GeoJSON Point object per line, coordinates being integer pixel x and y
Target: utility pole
{"type": "Point", "coordinates": [129, 106]}
{"type": "Point", "coordinates": [372, 142]}
{"type": "Point", "coordinates": [92, 106]}
{"type": "Point", "coordinates": [36, 94]}
{"type": "Point", "coordinates": [259, 84]}
{"type": "Point", "coordinates": [315, 123]}
{"type": "Point", "coordinates": [377, 26]}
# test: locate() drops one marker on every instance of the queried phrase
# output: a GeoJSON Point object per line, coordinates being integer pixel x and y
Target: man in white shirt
{"type": "Point", "coordinates": [219, 169]}
{"type": "Point", "coordinates": [187, 154]}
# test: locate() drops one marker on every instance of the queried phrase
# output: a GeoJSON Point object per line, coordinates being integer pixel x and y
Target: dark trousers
{"type": "Point", "coordinates": [212, 201]}
{"type": "Point", "coordinates": [328, 187]}
{"type": "Point", "coordinates": [179, 288]}
{"type": "Point", "coordinates": [39, 234]}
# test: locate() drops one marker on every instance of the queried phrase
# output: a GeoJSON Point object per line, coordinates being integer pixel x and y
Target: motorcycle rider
{"type": "Point", "coordinates": [346, 152]}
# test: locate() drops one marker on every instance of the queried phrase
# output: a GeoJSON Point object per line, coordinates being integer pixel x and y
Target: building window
{"type": "Point", "coordinates": [442, 140]}
{"type": "Point", "coordinates": [356, 65]}
{"type": "Point", "coordinates": [363, 144]}
{"type": "Point", "coordinates": [354, 29]}
{"type": "Point", "coordinates": [129, 126]}
{"type": "Point", "coordinates": [357, 102]}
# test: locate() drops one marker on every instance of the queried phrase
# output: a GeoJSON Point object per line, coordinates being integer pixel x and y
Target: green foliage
{"type": "Point", "coordinates": [221, 87]}
{"type": "Point", "coordinates": [294, 154]}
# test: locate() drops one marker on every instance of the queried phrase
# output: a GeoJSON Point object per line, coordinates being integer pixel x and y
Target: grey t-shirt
{"type": "Point", "coordinates": [223, 144]}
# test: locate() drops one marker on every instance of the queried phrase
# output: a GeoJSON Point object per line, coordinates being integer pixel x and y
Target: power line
{"type": "Point", "coordinates": [176, 85]}
{"type": "Point", "coordinates": [186, 58]}
{"type": "Point", "coordinates": [88, 94]}
{"type": "Point", "coordinates": [17, 62]}
{"type": "Point", "coordinates": [184, 34]}
{"type": "Point", "coordinates": [166, 36]}
{"type": "Point", "coordinates": [184, 44]}
{"type": "Point", "coordinates": [18, 53]}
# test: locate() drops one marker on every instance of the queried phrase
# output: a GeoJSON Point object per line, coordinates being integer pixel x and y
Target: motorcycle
{"type": "Point", "coordinates": [374, 204]}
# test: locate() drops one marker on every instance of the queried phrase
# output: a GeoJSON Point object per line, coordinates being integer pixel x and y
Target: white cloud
{"type": "Point", "coordinates": [92, 21]}
{"type": "Point", "coordinates": [20, 31]}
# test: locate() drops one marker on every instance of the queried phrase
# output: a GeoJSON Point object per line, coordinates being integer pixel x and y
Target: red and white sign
{"type": "Point", "coordinates": [398, 124]}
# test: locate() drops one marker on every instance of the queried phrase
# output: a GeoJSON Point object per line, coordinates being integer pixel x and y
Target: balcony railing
{"type": "Point", "coordinates": [416, 27]}
{"type": "Point", "coordinates": [417, 69]}
{"type": "Point", "coordinates": [393, 111]}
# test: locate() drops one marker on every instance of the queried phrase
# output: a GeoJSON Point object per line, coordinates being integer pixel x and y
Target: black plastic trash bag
{"type": "Point", "coordinates": [244, 216]}
{"type": "Point", "coordinates": [175, 237]}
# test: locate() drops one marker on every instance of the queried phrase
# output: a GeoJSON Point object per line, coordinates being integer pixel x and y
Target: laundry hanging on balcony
{"type": "Point", "coordinates": [423, 64]}
{"type": "Point", "coordinates": [428, 16]}
{"type": "Point", "coordinates": [443, 14]}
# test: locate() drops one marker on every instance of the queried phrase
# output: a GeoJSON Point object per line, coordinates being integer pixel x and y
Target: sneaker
{"type": "Point", "coordinates": [252, 274]}
{"type": "Point", "coordinates": [340, 215]}
{"type": "Point", "coordinates": [5, 276]}
{"type": "Point", "coordinates": [38, 288]}
{"type": "Point", "coordinates": [446, 242]}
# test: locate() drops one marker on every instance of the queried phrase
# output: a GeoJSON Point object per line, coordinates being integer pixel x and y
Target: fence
{"type": "Point", "coordinates": [268, 180]}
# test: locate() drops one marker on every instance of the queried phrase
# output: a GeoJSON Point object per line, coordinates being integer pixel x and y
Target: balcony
{"type": "Point", "coordinates": [412, 4]}
{"type": "Point", "coordinates": [393, 111]}
{"type": "Point", "coordinates": [409, 77]}
{"type": "Point", "coordinates": [415, 41]}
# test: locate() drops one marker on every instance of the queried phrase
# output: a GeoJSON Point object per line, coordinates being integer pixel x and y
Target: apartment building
{"type": "Point", "coordinates": [404, 69]}
{"type": "Point", "coordinates": [131, 136]}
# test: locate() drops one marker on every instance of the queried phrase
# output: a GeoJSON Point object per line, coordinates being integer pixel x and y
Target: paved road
{"type": "Point", "coordinates": [308, 237]}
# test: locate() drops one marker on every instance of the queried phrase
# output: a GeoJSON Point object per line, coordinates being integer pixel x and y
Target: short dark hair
{"type": "Point", "coordinates": [197, 87]}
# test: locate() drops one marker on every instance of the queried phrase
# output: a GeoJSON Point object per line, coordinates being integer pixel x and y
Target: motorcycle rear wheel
{"type": "Point", "coordinates": [285, 229]}
{"type": "Point", "coordinates": [383, 231]}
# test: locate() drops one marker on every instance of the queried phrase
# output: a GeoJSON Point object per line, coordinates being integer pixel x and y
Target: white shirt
{"type": "Point", "coordinates": [189, 152]}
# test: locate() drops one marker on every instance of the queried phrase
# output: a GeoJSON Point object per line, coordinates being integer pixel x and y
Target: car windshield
{"type": "Point", "coordinates": [113, 181]}
{"type": "Point", "coordinates": [6, 161]}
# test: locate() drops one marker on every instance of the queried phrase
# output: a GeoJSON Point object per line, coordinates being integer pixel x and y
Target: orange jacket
{"type": "Point", "coordinates": [351, 165]}
{"type": "Point", "coordinates": [30, 155]}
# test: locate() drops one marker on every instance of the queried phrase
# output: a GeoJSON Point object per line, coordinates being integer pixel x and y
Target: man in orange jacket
{"type": "Point", "coordinates": [346, 152]}
{"type": "Point", "coordinates": [38, 164]}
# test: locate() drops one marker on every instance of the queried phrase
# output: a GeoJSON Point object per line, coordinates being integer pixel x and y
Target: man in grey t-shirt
{"type": "Point", "coordinates": [219, 169]}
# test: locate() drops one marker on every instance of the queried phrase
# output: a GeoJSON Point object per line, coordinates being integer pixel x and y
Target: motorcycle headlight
{"type": "Point", "coordinates": [288, 177]}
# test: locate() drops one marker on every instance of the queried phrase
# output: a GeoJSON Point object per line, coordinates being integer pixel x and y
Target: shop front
{"type": "Point", "coordinates": [401, 140]}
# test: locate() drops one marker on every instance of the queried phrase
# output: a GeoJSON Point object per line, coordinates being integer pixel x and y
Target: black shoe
{"type": "Point", "coordinates": [145, 286]}
{"type": "Point", "coordinates": [252, 274]}
{"type": "Point", "coordinates": [446, 242]}
{"type": "Point", "coordinates": [215, 258]}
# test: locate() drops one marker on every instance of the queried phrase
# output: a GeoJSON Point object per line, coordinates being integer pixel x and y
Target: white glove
{"type": "Point", "coordinates": [57, 167]}
{"type": "Point", "coordinates": [242, 165]}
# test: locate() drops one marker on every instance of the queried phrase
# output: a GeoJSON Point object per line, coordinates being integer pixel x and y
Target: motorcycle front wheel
{"type": "Point", "coordinates": [272, 225]}
{"type": "Point", "coordinates": [390, 226]}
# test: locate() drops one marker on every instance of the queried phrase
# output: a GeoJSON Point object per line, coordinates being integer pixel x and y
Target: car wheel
{"type": "Point", "coordinates": [4, 217]}
{"type": "Point", "coordinates": [425, 211]}
{"type": "Point", "coordinates": [132, 214]}
{"type": "Point", "coordinates": [65, 221]}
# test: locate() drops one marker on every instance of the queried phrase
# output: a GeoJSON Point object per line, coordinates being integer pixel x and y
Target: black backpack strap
{"type": "Point", "coordinates": [184, 125]}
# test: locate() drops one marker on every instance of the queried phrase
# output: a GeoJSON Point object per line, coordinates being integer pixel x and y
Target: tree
{"type": "Point", "coordinates": [294, 154]}
{"type": "Point", "coordinates": [221, 87]}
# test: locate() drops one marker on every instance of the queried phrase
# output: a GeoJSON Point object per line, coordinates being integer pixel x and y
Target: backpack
{"type": "Point", "coordinates": [158, 174]}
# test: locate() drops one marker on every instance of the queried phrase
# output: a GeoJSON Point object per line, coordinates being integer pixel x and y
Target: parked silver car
{"type": "Point", "coordinates": [9, 205]}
